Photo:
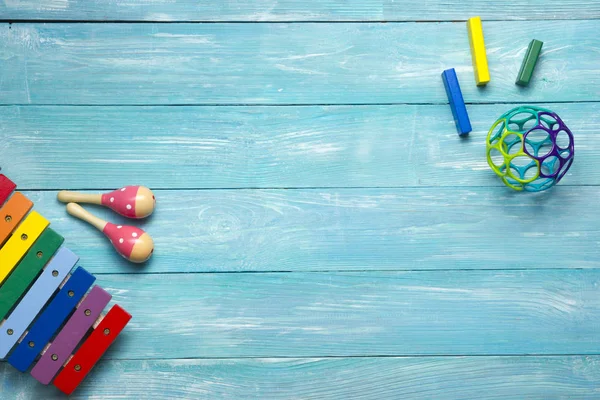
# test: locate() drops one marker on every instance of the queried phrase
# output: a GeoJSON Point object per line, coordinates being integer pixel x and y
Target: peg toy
{"type": "Point", "coordinates": [129, 201]}
{"type": "Point", "coordinates": [48, 319]}
{"type": "Point", "coordinates": [529, 62]}
{"type": "Point", "coordinates": [478, 55]}
{"type": "Point", "coordinates": [530, 148]}
{"type": "Point", "coordinates": [457, 103]}
{"type": "Point", "coordinates": [132, 243]}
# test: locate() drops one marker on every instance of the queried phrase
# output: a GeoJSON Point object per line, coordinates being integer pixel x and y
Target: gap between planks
{"type": "Point", "coordinates": [437, 104]}
{"type": "Point", "coordinates": [336, 271]}
{"type": "Point", "coordinates": [291, 21]}
{"type": "Point", "coordinates": [353, 357]}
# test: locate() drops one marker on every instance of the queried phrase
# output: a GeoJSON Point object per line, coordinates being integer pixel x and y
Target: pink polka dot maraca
{"type": "Point", "coordinates": [132, 243]}
{"type": "Point", "coordinates": [129, 201]}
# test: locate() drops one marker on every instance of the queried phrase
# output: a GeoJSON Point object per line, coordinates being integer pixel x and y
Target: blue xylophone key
{"type": "Point", "coordinates": [51, 319]}
{"type": "Point", "coordinates": [35, 299]}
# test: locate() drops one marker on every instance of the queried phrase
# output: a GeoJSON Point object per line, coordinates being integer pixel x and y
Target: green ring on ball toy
{"type": "Point", "coordinates": [530, 148]}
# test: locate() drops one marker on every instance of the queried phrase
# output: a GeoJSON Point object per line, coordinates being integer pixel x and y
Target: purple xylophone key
{"type": "Point", "coordinates": [75, 329]}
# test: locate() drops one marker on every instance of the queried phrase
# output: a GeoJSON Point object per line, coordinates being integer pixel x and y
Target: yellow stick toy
{"type": "Point", "coordinates": [480, 64]}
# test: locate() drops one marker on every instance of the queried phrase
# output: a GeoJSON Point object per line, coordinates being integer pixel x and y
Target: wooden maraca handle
{"type": "Point", "coordinates": [66, 196]}
{"type": "Point", "coordinates": [77, 211]}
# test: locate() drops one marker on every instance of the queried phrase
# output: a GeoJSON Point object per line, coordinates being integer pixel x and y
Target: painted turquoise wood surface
{"type": "Point", "coordinates": [284, 64]}
{"type": "Point", "coordinates": [340, 314]}
{"type": "Point", "coordinates": [346, 314]}
{"type": "Point", "coordinates": [291, 10]}
{"type": "Point", "coordinates": [266, 147]}
{"type": "Point", "coordinates": [338, 241]}
{"type": "Point", "coordinates": [372, 378]}
{"type": "Point", "coordinates": [350, 229]}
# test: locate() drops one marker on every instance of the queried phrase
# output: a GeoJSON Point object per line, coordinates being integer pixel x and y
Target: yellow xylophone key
{"type": "Point", "coordinates": [18, 244]}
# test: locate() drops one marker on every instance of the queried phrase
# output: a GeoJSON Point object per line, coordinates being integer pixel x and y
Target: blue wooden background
{"type": "Point", "coordinates": [321, 232]}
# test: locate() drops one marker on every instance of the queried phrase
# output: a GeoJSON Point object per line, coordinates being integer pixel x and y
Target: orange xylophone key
{"type": "Point", "coordinates": [12, 213]}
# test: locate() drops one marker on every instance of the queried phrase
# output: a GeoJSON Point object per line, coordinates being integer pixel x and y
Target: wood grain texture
{"type": "Point", "coordinates": [284, 64]}
{"type": "Point", "coordinates": [357, 314]}
{"type": "Point", "coordinates": [397, 267]}
{"type": "Point", "coordinates": [290, 10]}
{"type": "Point", "coordinates": [330, 379]}
{"type": "Point", "coordinates": [249, 147]}
{"type": "Point", "coordinates": [351, 229]}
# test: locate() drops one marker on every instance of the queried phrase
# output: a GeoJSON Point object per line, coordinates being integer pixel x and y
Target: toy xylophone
{"type": "Point", "coordinates": [44, 310]}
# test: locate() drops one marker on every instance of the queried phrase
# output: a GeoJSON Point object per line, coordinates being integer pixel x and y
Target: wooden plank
{"type": "Point", "coordinates": [290, 10]}
{"type": "Point", "coordinates": [241, 147]}
{"type": "Point", "coordinates": [353, 314]}
{"type": "Point", "coordinates": [352, 229]}
{"type": "Point", "coordinates": [286, 64]}
{"type": "Point", "coordinates": [562, 377]}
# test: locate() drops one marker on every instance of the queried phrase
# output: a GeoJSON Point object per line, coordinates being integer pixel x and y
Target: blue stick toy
{"type": "Point", "coordinates": [457, 104]}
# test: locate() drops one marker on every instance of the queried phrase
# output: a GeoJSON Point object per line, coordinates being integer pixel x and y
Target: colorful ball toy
{"type": "Point", "coordinates": [530, 148]}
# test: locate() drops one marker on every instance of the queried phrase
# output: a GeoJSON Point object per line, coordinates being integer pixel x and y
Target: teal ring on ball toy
{"type": "Point", "coordinates": [530, 148]}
